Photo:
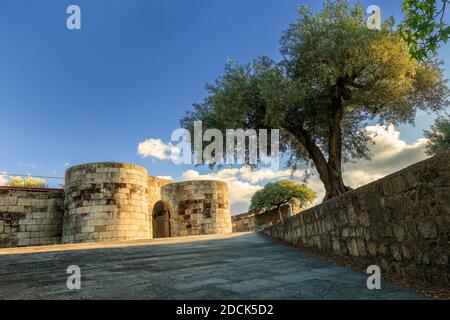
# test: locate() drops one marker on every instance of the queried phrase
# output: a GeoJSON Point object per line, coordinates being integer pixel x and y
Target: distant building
{"type": "Point", "coordinates": [255, 222]}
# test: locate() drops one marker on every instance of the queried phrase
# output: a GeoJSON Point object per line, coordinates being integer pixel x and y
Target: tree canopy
{"type": "Point", "coordinates": [438, 136]}
{"type": "Point", "coordinates": [28, 182]}
{"type": "Point", "coordinates": [424, 27]}
{"type": "Point", "coordinates": [277, 194]}
{"type": "Point", "coordinates": [336, 77]}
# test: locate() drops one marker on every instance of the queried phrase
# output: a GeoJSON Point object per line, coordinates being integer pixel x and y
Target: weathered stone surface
{"type": "Point", "coordinates": [401, 222]}
{"type": "Point", "coordinates": [197, 207]}
{"type": "Point", "coordinates": [111, 201]}
{"type": "Point", "coordinates": [106, 202]}
{"type": "Point", "coordinates": [30, 217]}
{"type": "Point", "coordinates": [428, 229]}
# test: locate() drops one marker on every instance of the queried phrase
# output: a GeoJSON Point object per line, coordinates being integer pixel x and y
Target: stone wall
{"type": "Point", "coordinates": [106, 202]}
{"type": "Point", "coordinates": [112, 201]}
{"type": "Point", "coordinates": [271, 217]}
{"type": "Point", "coordinates": [30, 216]}
{"type": "Point", "coordinates": [401, 223]}
{"type": "Point", "coordinates": [198, 207]}
{"type": "Point", "coordinates": [251, 222]}
{"type": "Point", "coordinates": [243, 222]}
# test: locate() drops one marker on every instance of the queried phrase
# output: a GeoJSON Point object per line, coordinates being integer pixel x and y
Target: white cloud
{"type": "Point", "coordinates": [248, 174]}
{"type": "Point", "coordinates": [242, 182]}
{"type": "Point", "coordinates": [155, 148]}
{"type": "Point", "coordinates": [265, 174]}
{"type": "Point", "coordinates": [389, 154]}
{"type": "Point", "coordinates": [3, 179]}
{"type": "Point", "coordinates": [165, 177]}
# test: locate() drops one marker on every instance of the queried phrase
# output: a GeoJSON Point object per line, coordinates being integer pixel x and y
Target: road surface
{"type": "Point", "coordinates": [238, 266]}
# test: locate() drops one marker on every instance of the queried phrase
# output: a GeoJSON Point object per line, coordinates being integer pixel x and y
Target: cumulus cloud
{"type": "Point", "coordinates": [390, 153]}
{"type": "Point", "coordinates": [3, 179]}
{"type": "Point", "coordinates": [155, 148]}
{"type": "Point", "coordinates": [165, 177]}
{"type": "Point", "coordinates": [248, 174]}
{"type": "Point", "coordinates": [242, 182]}
{"type": "Point", "coordinates": [255, 176]}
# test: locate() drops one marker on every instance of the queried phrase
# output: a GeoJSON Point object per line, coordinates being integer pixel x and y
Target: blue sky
{"type": "Point", "coordinates": [130, 74]}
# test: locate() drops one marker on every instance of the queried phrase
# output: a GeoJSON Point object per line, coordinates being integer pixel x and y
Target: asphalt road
{"type": "Point", "coordinates": [238, 266]}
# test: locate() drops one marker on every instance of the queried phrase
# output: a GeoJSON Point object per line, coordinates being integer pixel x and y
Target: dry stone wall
{"type": "Point", "coordinates": [30, 217]}
{"type": "Point", "coordinates": [401, 223]}
{"type": "Point", "coordinates": [106, 202]}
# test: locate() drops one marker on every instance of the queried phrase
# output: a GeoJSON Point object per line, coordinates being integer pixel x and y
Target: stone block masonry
{"type": "Point", "coordinates": [400, 222]}
{"type": "Point", "coordinates": [30, 217]}
{"type": "Point", "coordinates": [111, 201]}
{"type": "Point", "coordinates": [105, 202]}
{"type": "Point", "coordinates": [198, 207]}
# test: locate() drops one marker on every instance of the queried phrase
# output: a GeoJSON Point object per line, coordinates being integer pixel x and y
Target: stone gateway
{"type": "Point", "coordinates": [112, 201]}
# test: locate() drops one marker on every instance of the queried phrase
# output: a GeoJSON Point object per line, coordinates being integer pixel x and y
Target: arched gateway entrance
{"type": "Point", "coordinates": [161, 220]}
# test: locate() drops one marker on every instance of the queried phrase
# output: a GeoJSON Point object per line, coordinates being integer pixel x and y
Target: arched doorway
{"type": "Point", "coordinates": [161, 220]}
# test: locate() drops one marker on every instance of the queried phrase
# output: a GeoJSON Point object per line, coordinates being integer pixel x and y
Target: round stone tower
{"type": "Point", "coordinates": [197, 207]}
{"type": "Point", "coordinates": [105, 202]}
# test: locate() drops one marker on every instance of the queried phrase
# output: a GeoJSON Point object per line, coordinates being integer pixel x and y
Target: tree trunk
{"type": "Point", "coordinates": [335, 183]}
{"type": "Point", "coordinates": [335, 186]}
{"type": "Point", "coordinates": [279, 212]}
{"type": "Point", "coordinates": [330, 171]}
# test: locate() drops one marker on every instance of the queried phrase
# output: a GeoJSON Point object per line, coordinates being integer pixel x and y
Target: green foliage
{"type": "Point", "coordinates": [280, 193]}
{"type": "Point", "coordinates": [28, 182]}
{"type": "Point", "coordinates": [438, 136]}
{"type": "Point", "coordinates": [424, 27]}
{"type": "Point", "coordinates": [336, 76]}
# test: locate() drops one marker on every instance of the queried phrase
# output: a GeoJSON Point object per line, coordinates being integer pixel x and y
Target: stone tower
{"type": "Point", "coordinates": [105, 202]}
{"type": "Point", "coordinates": [117, 201]}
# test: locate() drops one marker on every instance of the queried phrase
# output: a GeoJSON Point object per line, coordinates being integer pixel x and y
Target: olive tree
{"type": "Point", "coordinates": [336, 77]}
{"type": "Point", "coordinates": [277, 194]}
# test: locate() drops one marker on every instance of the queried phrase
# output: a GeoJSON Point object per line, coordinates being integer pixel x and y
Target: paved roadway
{"type": "Point", "coordinates": [238, 266]}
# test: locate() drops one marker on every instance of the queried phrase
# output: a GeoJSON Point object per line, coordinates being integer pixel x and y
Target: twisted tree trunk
{"type": "Point", "coordinates": [330, 171]}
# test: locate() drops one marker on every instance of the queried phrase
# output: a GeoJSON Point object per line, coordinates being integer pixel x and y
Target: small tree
{"type": "Point", "coordinates": [28, 182]}
{"type": "Point", "coordinates": [438, 136]}
{"type": "Point", "coordinates": [281, 193]}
